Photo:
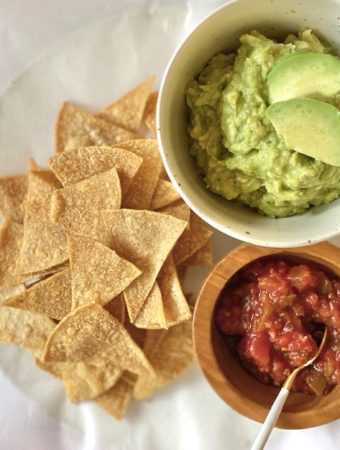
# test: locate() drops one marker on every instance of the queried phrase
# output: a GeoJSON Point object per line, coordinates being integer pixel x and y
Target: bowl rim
{"type": "Point", "coordinates": [234, 233]}
{"type": "Point", "coordinates": [325, 254]}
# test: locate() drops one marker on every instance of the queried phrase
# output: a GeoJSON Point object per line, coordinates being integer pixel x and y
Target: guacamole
{"type": "Point", "coordinates": [237, 149]}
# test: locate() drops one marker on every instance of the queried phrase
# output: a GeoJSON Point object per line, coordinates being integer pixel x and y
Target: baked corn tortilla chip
{"type": "Point", "coordinates": [85, 381]}
{"type": "Point", "coordinates": [76, 208]}
{"type": "Point", "coordinates": [41, 185]}
{"type": "Point", "coordinates": [169, 358]}
{"type": "Point", "coordinates": [149, 116]}
{"type": "Point", "coordinates": [142, 187]}
{"type": "Point", "coordinates": [191, 240]}
{"type": "Point", "coordinates": [116, 400]}
{"type": "Point", "coordinates": [144, 238]}
{"type": "Point", "coordinates": [204, 257]}
{"type": "Point", "coordinates": [24, 328]}
{"type": "Point", "coordinates": [163, 195]}
{"type": "Point", "coordinates": [116, 307]}
{"type": "Point", "coordinates": [151, 316]}
{"type": "Point", "coordinates": [51, 368]}
{"type": "Point", "coordinates": [11, 291]}
{"type": "Point", "coordinates": [176, 308]}
{"type": "Point", "coordinates": [50, 297]}
{"type": "Point", "coordinates": [78, 128]}
{"type": "Point", "coordinates": [137, 334]}
{"type": "Point", "coordinates": [98, 273]}
{"type": "Point", "coordinates": [91, 334]}
{"type": "Point", "coordinates": [128, 110]}
{"type": "Point", "coordinates": [76, 165]}
{"type": "Point", "coordinates": [180, 210]}
{"type": "Point", "coordinates": [12, 194]}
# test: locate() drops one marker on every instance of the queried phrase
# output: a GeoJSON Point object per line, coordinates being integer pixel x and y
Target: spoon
{"type": "Point", "coordinates": [280, 400]}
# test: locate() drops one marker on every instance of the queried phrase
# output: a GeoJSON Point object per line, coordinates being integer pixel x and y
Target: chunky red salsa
{"type": "Point", "coordinates": [277, 308]}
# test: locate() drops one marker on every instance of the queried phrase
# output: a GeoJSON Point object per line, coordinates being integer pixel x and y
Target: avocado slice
{"type": "Point", "coordinates": [304, 75]}
{"type": "Point", "coordinates": [308, 126]}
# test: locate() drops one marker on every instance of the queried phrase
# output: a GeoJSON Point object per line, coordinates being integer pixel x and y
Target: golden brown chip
{"type": "Point", "coordinates": [116, 400]}
{"type": "Point", "coordinates": [12, 194]}
{"type": "Point", "coordinates": [137, 334]}
{"type": "Point", "coordinates": [181, 211]}
{"type": "Point", "coordinates": [76, 165]}
{"type": "Point", "coordinates": [51, 297]}
{"type": "Point", "coordinates": [117, 308]}
{"type": "Point", "coordinates": [11, 291]}
{"type": "Point", "coordinates": [170, 357]}
{"type": "Point", "coordinates": [204, 257]}
{"type": "Point", "coordinates": [164, 194]}
{"type": "Point", "coordinates": [41, 185]}
{"type": "Point", "coordinates": [151, 316]}
{"type": "Point", "coordinates": [145, 238]}
{"type": "Point", "coordinates": [149, 116]}
{"type": "Point", "coordinates": [85, 381]}
{"type": "Point", "coordinates": [52, 368]}
{"type": "Point", "coordinates": [24, 328]}
{"type": "Point", "coordinates": [98, 273]}
{"type": "Point", "coordinates": [127, 111]}
{"type": "Point", "coordinates": [142, 187]}
{"type": "Point", "coordinates": [176, 308]}
{"type": "Point", "coordinates": [91, 334]}
{"type": "Point", "coordinates": [191, 240]}
{"type": "Point", "coordinates": [78, 128]}
{"type": "Point", "coordinates": [76, 208]}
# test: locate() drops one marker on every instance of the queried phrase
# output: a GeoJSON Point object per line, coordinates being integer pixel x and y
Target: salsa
{"type": "Point", "coordinates": [277, 310]}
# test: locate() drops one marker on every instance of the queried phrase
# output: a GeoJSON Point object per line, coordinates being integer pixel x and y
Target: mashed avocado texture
{"type": "Point", "coordinates": [236, 147]}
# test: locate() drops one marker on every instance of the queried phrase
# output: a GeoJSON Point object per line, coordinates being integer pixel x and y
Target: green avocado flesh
{"type": "Point", "coordinates": [314, 75]}
{"type": "Point", "coordinates": [309, 127]}
{"type": "Point", "coordinates": [237, 149]}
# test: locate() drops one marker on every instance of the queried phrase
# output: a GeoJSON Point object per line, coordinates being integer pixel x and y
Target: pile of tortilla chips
{"type": "Point", "coordinates": [93, 253]}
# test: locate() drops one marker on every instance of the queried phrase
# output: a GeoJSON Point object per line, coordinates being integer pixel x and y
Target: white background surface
{"type": "Point", "coordinates": [90, 51]}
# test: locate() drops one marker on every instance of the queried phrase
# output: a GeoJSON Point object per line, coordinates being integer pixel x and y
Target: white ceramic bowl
{"type": "Point", "coordinates": [220, 32]}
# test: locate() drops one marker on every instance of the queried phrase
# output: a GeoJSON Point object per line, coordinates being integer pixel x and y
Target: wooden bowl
{"type": "Point", "coordinates": [229, 379]}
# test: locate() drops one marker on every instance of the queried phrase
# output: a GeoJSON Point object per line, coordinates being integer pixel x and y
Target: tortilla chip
{"type": "Point", "coordinates": [181, 272]}
{"type": "Point", "coordinates": [76, 208]}
{"type": "Point", "coordinates": [116, 400]}
{"type": "Point", "coordinates": [151, 316]}
{"type": "Point", "coordinates": [84, 381]}
{"type": "Point", "coordinates": [51, 368]}
{"type": "Point", "coordinates": [191, 240]}
{"type": "Point", "coordinates": [128, 110]}
{"type": "Point", "coordinates": [78, 128]}
{"type": "Point", "coordinates": [12, 194]}
{"type": "Point", "coordinates": [98, 273]}
{"type": "Point", "coordinates": [164, 194]}
{"type": "Point", "coordinates": [170, 357]}
{"type": "Point", "coordinates": [204, 257]}
{"type": "Point", "coordinates": [176, 308]}
{"type": "Point", "coordinates": [11, 291]}
{"type": "Point", "coordinates": [117, 308]}
{"type": "Point", "coordinates": [41, 185]}
{"type": "Point", "coordinates": [51, 297]}
{"type": "Point", "coordinates": [24, 328]}
{"type": "Point", "coordinates": [181, 211]}
{"type": "Point", "coordinates": [137, 334]}
{"type": "Point", "coordinates": [143, 185]}
{"type": "Point", "coordinates": [32, 165]}
{"type": "Point", "coordinates": [149, 116]}
{"type": "Point", "coordinates": [91, 334]}
{"type": "Point", "coordinates": [145, 238]}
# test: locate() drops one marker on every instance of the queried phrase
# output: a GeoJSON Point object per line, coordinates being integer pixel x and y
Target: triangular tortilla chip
{"type": "Point", "coordinates": [12, 194]}
{"type": "Point", "coordinates": [76, 208]}
{"type": "Point", "coordinates": [181, 211]}
{"type": "Point", "coordinates": [191, 240]}
{"type": "Point", "coordinates": [170, 357]}
{"type": "Point", "coordinates": [145, 238]}
{"type": "Point", "coordinates": [11, 291]}
{"type": "Point", "coordinates": [204, 257]}
{"type": "Point", "coordinates": [51, 297]}
{"type": "Point", "coordinates": [24, 328]}
{"type": "Point", "coordinates": [98, 273]}
{"type": "Point", "coordinates": [116, 307]}
{"type": "Point", "coordinates": [176, 308]}
{"type": "Point", "coordinates": [142, 187]}
{"type": "Point", "coordinates": [116, 400]}
{"type": "Point", "coordinates": [85, 381]}
{"type": "Point", "coordinates": [91, 334]}
{"type": "Point", "coordinates": [149, 116]}
{"type": "Point", "coordinates": [44, 243]}
{"type": "Point", "coordinates": [151, 316]}
{"type": "Point", "coordinates": [164, 194]}
{"type": "Point", "coordinates": [51, 368]}
{"type": "Point", "coordinates": [128, 110]}
{"type": "Point", "coordinates": [78, 128]}
{"type": "Point", "coordinates": [76, 165]}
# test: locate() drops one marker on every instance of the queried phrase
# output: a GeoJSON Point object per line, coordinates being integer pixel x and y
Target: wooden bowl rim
{"type": "Point", "coordinates": [325, 254]}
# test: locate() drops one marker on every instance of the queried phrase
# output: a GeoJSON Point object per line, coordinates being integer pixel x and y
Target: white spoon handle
{"type": "Point", "coordinates": [271, 420]}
